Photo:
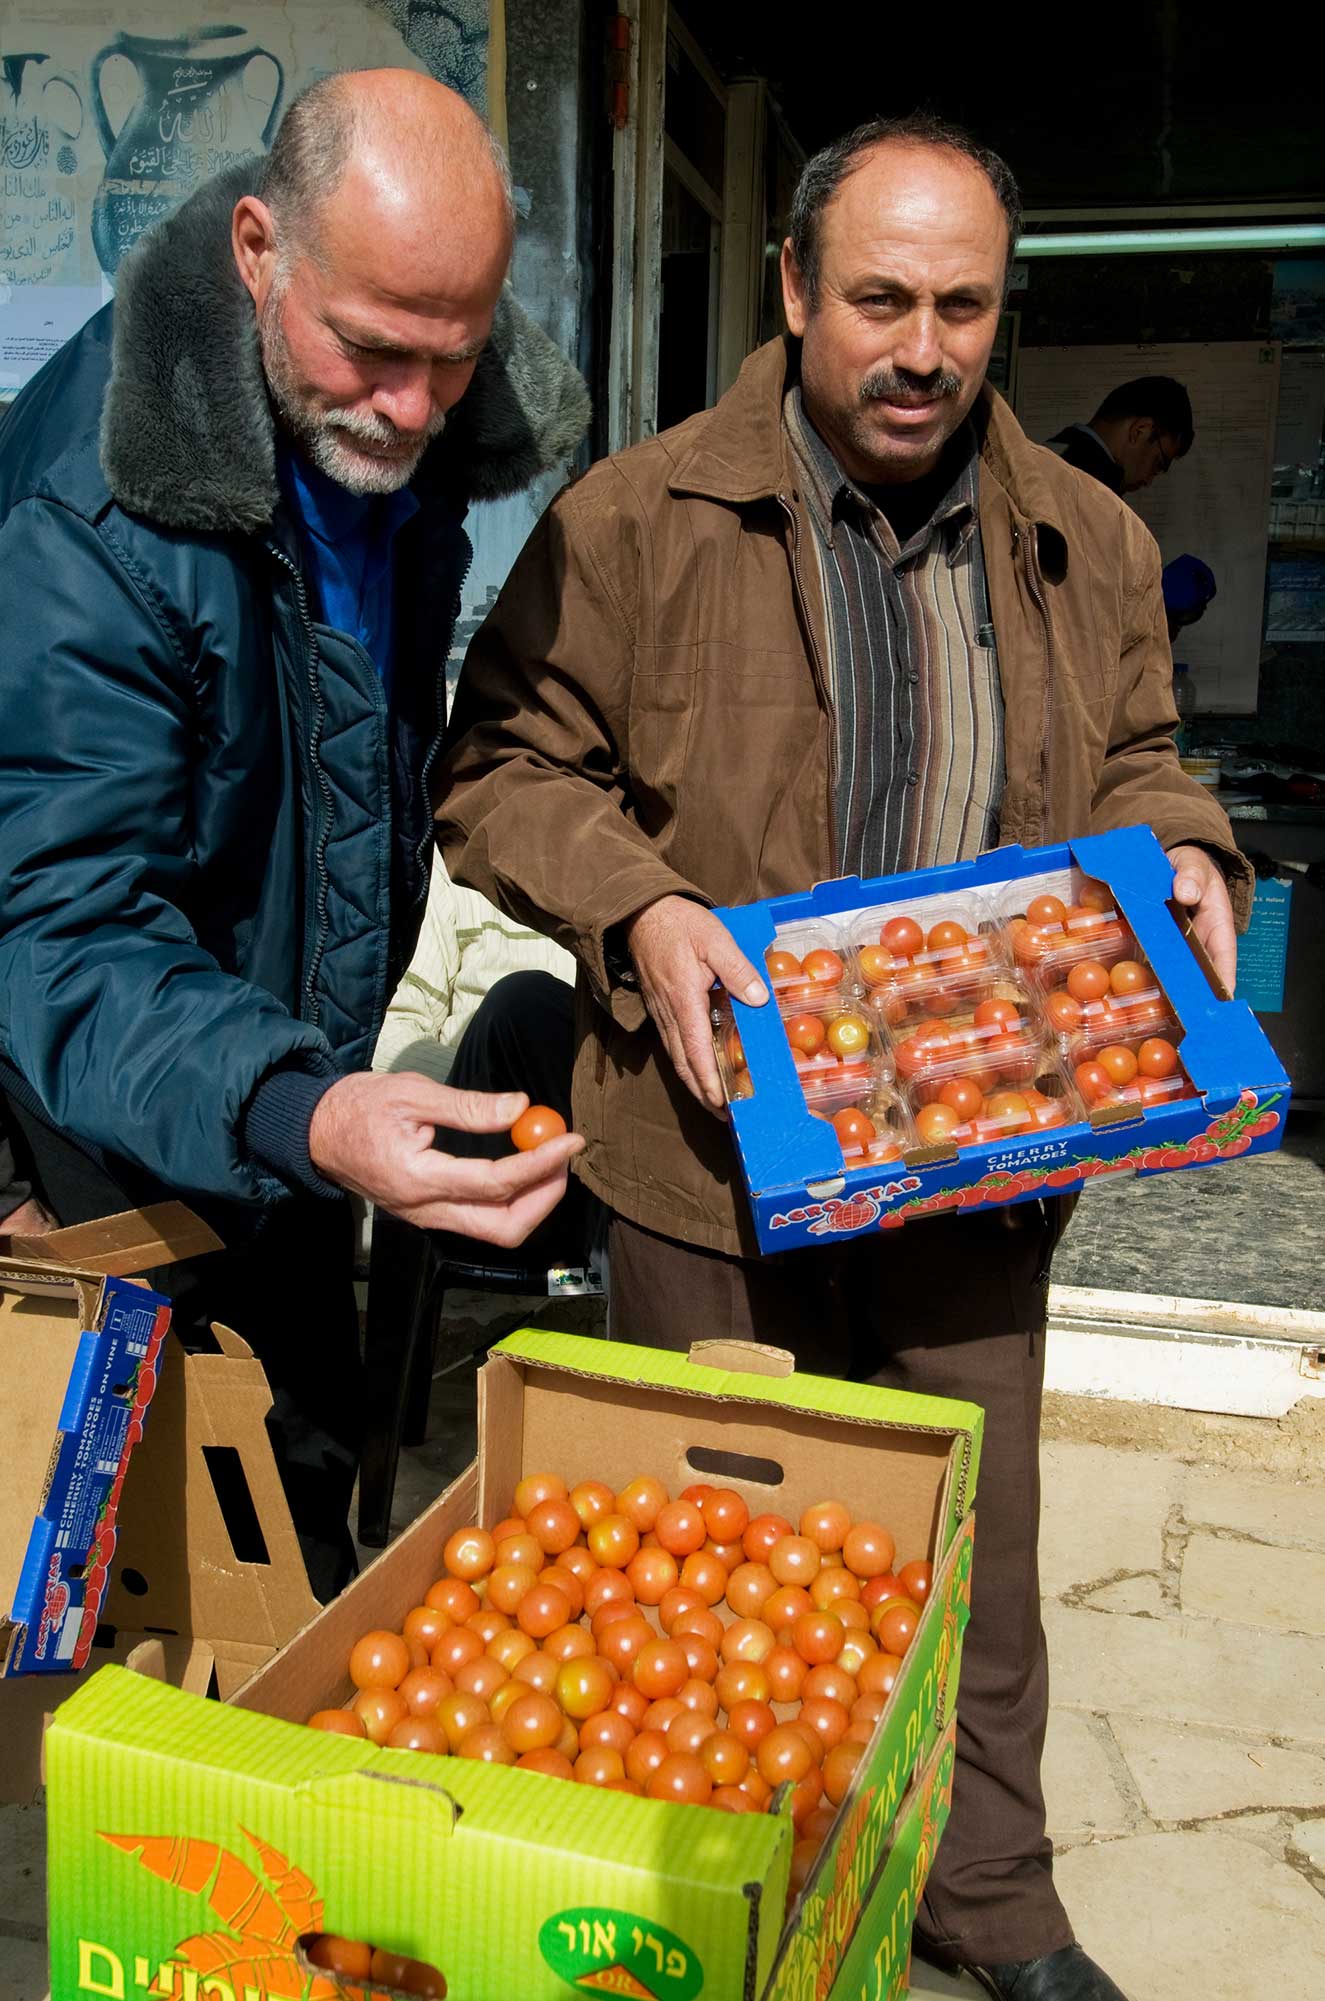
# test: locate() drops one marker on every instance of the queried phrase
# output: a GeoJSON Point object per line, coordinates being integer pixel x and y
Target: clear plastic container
{"type": "Point", "coordinates": [873, 1127]}
{"type": "Point", "coordinates": [840, 1050]}
{"type": "Point", "coordinates": [809, 966]}
{"type": "Point", "coordinates": [926, 956]}
{"type": "Point", "coordinates": [1141, 1070]}
{"type": "Point", "coordinates": [1056, 920]}
{"type": "Point", "coordinates": [951, 1112]}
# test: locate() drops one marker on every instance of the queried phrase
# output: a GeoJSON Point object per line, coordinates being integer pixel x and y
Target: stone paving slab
{"type": "Point", "coordinates": [1103, 1513]}
{"type": "Point", "coordinates": [1278, 1511]}
{"type": "Point", "coordinates": [1196, 1917]}
{"type": "Point", "coordinates": [1086, 1785]}
{"type": "Point", "coordinates": [1255, 1583]}
{"type": "Point", "coordinates": [1203, 1671]}
{"type": "Point", "coordinates": [1186, 1774]}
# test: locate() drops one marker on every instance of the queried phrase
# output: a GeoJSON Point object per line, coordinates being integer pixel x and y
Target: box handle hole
{"type": "Point", "coordinates": [236, 1503]}
{"type": "Point", "coordinates": [735, 1466]}
{"type": "Point", "coordinates": [133, 1582]}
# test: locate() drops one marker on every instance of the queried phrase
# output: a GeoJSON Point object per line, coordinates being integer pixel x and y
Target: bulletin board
{"type": "Point", "coordinates": [1215, 503]}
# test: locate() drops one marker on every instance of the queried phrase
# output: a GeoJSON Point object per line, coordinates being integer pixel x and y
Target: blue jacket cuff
{"type": "Point", "coordinates": [276, 1122]}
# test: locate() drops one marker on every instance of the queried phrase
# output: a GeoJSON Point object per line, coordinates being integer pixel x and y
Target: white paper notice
{"type": "Point", "coordinates": [1214, 504]}
{"type": "Point", "coordinates": [34, 321]}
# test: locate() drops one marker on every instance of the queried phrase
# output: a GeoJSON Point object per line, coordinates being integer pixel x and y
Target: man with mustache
{"type": "Point", "coordinates": [231, 555]}
{"type": "Point", "coordinates": [849, 621]}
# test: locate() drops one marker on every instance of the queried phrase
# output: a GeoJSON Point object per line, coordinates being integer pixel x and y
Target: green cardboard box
{"type": "Point", "coordinates": [195, 1846]}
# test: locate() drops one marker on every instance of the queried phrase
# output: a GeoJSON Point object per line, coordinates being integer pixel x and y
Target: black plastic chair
{"type": "Point", "coordinates": [409, 1273]}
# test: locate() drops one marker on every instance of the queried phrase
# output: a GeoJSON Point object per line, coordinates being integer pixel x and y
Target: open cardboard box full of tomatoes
{"type": "Point", "coordinates": [1013, 1026]}
{"type": "Point", "coordinates": [191, 1837]}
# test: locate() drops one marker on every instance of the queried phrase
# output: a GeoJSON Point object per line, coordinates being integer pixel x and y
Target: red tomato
{"type": "Point", "coordinates": [1087, 980]}
{"type": "Point", "coordinates": [946, 936]}
{"type": "Point", "coordinates": [902, 936]}
{"type": "Point", "coordinates": [963, 1095]}
{"type": "Point", "coordinates": [997, 1014]}
{"type": "Point", "coordinates": [1094, 895]}
{"type": "Point", "coordinates": [823, 966]}
{"type": "Point", "coordinates": [783, 966]}
{"type": "Point", "coordinates": [1118, 1063]}
{"type": "Point", "coordinates": [937, 1123]}
{"type": "Point", "coordinates": [1093, 1082]}
{"type": "Point", "coordinates": [1063, 1011]}
{"type": "Point", "coordinates": [916, 1579]}
{"type": "Point", "coordinates": [1010, 1111]}
{"type": "Point", "coordinates": [538, 1124]}
{"type": "Point", "coordinates": [1156, 1057]}
{"type": "Point", "coordinates": [805, 1032]}
{"type": "Point", "coordinates": [853, 1128]}
{"type": "Point", "coordinates": [1129, 976]}
{"type": "Point", "coordinates": [876, 964]}
{"type": "Point", "coordinates": [1046, 910]}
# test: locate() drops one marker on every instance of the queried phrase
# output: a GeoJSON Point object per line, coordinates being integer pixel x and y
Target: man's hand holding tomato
{"type": "Point", "coordinates": [679, 949]}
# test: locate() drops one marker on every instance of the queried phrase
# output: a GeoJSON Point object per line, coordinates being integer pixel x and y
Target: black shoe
{"type": "Point", "coordinates": [1066, 1975]}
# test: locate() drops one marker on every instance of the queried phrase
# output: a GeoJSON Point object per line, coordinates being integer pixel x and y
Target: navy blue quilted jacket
{"type": "Point", "coordinates": [213, 844]}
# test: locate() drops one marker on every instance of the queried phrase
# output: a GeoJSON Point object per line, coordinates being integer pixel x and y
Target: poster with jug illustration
{"type": "Point", "coordinates": [109, 121]}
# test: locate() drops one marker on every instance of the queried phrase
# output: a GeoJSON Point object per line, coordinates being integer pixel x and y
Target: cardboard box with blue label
{"type": "Point", "coordinates": [960, 1038]}
{"type": "Point", "coordinates": [79, 1346]}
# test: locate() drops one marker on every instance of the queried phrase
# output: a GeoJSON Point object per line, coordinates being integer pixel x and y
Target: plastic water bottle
{"type": "Point", "coordinates": [1184, 700]}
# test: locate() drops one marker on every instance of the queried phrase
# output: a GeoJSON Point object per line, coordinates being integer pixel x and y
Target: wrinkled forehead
{"type": "Point", "coordinates": [917, 204]}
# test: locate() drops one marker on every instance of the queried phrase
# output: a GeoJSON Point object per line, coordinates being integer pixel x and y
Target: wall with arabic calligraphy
{"type": "Point", "coordinates": [110, 119]}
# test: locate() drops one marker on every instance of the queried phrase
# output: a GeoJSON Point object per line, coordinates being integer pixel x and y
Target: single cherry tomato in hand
{"type": "Point", "coordinates": [539, 1123]}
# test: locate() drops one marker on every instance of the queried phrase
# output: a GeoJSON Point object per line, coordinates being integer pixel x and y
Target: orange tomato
{"type": "Point", "coordinates": [761, 1534]}
{"type": "Point", "coordinates": [876, 964]}
{"type": "Point", "coordinates": [783, 966]}
{"type": "Point", "coordinates": [379, 1710]}
{"type": "Point", "coordinates": [613, 1540]}
{"type": "Point", "coordinates": [680, 1528]}
{"type": "Point", "coordinates": [1046, 910]}
{"type": "Point", "coordinates": [822, 966]}
{"type": "Point", "coordinates": [538, 1124]}
{"type": "Point", "coordinates": [660, 1668]}
{"type": "Point", "coordinates": [902, 937]}
{"type": "Point", "coordinates": [848, 1035]}
{"type": "Point", "coordinates": [1063, 1011]}
{"type": "Point", "coordinates": [1156, 1057]}
{"type": "Point", "coordinates": [1129, 977]}
{"type": "Point", "coordinates": [1003, 1014]}
{"type": "Point", "coordinates": [340, 1722]}
{"type": "Point", "coordinates": [417, 1733]}
{"type": "Point", "coordinates": [536, 1487]}
{"type": "Point", "coordinates": [1118, 1063]}
{"type": "Point", "coordinates": [1093, 1082]}
{"type": "Point", "coordinates": [1087, 980]}
{"type": "Point", "coordinates": [553, 1764]}
{"type": "Point", "coordinates": [681, 1777]}
{"type": "Point", "coordinates": [817, 1637]}
{"type": "Point", "coordinates": [591, 1500]}
{"type": "Point", "coordinates": [805, 1032]}
{"type": "Point", "coordinates": [895, 1624]}
{"type": "Point", "coordinates": [936, 1123]}
{"type": "Point", "coordinates": [841, 1764]}
{"type": "Point", "coordinates": [543, 1608]}
{"type": "Point", "coordinates": [868, 1550]}
{"type": "Point", "coordinates": [554, 1525]}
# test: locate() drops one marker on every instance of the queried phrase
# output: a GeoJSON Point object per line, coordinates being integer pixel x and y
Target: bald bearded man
{"type": "Point", "coordinates": [231, 556]}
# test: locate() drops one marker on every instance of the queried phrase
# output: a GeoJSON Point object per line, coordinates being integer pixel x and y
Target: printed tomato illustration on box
{"type": "Point", "coordinates": [265, 1916]}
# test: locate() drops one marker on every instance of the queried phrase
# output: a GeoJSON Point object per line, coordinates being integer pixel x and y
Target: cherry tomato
{"type": "Point", "coordinates": [1118, 1063]}
{"type": "Point", "coordinates": [937, 1123]}
{"type": "Point", "coordinates": [868, 1550]}
{"type": "Point", "coordinates": [538, 1124]}
{"type": "Point", "coordinates": [761, 1534]}
{"type": "Point", "coordinates": [854, 1129]}
{"type": "Point", "coordinates": [743, 1681]}
{"type": "Point", "coordinates": [903, 937]}
{"type": "Point", "coordinates": [805, 1032]}
{"type": "Point", "coordinates": [1129, 976]}
{"type": "Point", "coordinates": [622, 1642]}
{"type": "Point", "coordinates": [946, 936]}
{"type": "Point", "coordinates": [1008, 1110]}
{"type": "Point", "coordinates": [554, 1525]}
{"type": "Point", "coordinates": [726, 1515]}
{"type": "Point", "coordinates": [746, 1640]}
{"type": "Point", "coordinates": [1087, 980]}
{"type": "Point", "coordinates": [652, 1572]}
{"type": "Point", "coordinates": [660, 1668]}
{"type": "Point", "coordinates": [1046, 910]}
{"type": "Point", "coordinates": [681, 1777]}
{"type": "Point", "coordinates": [340, 1722]}
{"type": "Point", "coordinates": [1157, 1058]}
{"type": "Point", "coordinates": [916, 1579]}
{"type": "Point", "coordinates": [1093, 1082]}
{"type": "Point", "coordinates": [848, 1035]}
{"type": "Point", "coordinates": [612, 1541]}
{"type": "Point", "coordinates": [750, 1721]}
{"type": "Point", "coordinates": [1032, 942]}
{"type": "Point", "coordinates": [842, 1761]}
{"type": "Point", "coordinates": [644, 1754]}
{"type": "Point", "coordinates": [876, 964]}
{"type": "Point", "coordinates": [826, 1524]}
{"type": "Point", "coordinates": [532, 1722]}
{"type": "Point", "coordinates": [345, 1956]}
{"type": "Point", "coordinates": [380, 1660]}
{"type": "Point", "coordinates": [879, 1674]}
{"type": "Point", "coordinates": [680, 1528]}
{"type": "Point", "coordinates": [818, 1637]}
{"type": "Point", "coordinates": [600, 1765]}
{"type": "Point", "coordinates": [961, 1095]}
{"type": "Point", "coordinates": [543, 1608]}
{"type": "Point", "coordinates": [1063, 1011]}
{"type": "Point", "coordinates": [823, 966]}
{"type": "Point", "coordinates": [895, 1624]}
{"type": "Point", "coordinates": [380, 1709]}
{"type": "Point", "coordinates": [783, 966]}
{"type": "Point", "coordinates": [1003, 1014]}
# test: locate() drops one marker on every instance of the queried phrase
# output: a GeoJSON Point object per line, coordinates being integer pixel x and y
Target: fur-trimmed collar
{"type": "Point", "coordinates": [187, 437]}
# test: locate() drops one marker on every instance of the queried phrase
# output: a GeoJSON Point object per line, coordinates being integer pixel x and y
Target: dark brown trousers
{"type": "Point", "coordinates": [953, 1306]}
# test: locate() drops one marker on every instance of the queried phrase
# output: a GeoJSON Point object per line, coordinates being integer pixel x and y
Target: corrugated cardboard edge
{"type": "Point", "coordinates": [115, 1246]}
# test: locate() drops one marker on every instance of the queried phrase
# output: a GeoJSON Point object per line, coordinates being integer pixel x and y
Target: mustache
{"type": "Point", "coordinates": [899, 385]}
{"type": "Point", "coordinates": [371, 428]}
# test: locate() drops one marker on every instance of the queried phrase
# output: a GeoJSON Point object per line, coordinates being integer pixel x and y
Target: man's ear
{"type": "Point", "coordinates": [794, 301]}
{"type": "Point", "coordinates": [253, 241]}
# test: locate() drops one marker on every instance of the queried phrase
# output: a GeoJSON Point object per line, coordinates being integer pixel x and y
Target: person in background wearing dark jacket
{"type": "Point", "coordinates": [231, 558]}
{"type": "Point", "coordinates": [1134, 437]}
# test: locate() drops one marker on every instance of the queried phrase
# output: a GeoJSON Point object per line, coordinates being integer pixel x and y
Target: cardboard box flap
{"type": "Point", "coordinates": [755, 1356]}
{"type": "Point", "coordinates": [210, 1551]}
{"type": "Point", "coordinates": [116, 1246]}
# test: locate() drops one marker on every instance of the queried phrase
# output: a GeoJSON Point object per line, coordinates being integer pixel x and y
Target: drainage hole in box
{"type": "Point", "coordinates": [735, 1466]}
{"type": "Point", "coordinates": [236, 1503]}
{"type": "Point", "coordinates": [133, 1582]}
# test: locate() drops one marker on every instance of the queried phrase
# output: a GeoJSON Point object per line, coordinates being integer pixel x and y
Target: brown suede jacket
{"type": "Point", "coordinates": [644, 712]}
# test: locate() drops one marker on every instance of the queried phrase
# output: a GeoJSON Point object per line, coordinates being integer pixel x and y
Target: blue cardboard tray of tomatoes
{"type": "Point", "coordinates": [960, 1038]}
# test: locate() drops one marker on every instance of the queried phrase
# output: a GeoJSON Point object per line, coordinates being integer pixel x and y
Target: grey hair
{"type": "Point", "coordinates": [823, 175]}
{"type": "Point", "coordinates": [312, 149]}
